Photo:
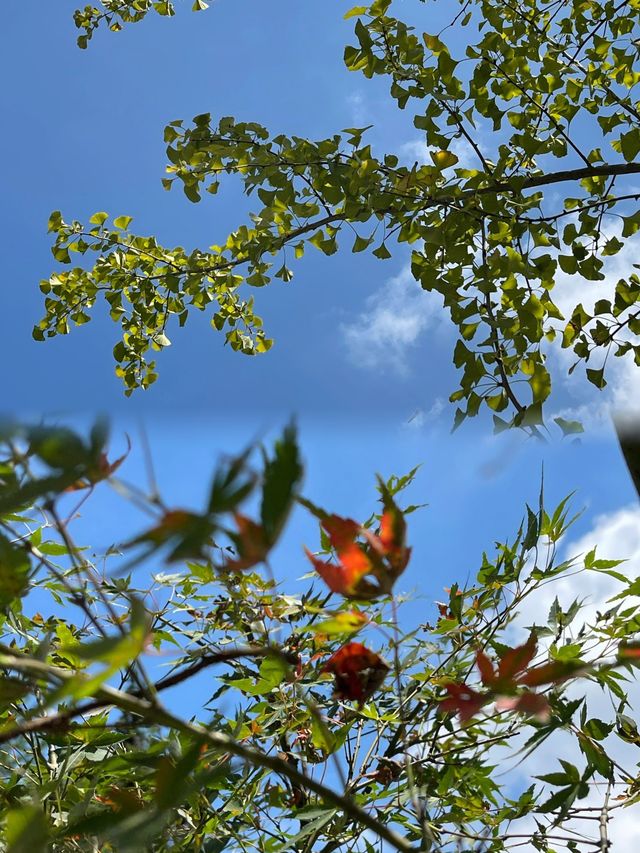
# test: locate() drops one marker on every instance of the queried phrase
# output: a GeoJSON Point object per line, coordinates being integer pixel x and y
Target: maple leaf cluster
{"type": "Point", "coordinates": [367, 566]}
{"type": "Point", "coordinates": [507, 684]}
{"type": "Point", "coordinates": [364, 570]}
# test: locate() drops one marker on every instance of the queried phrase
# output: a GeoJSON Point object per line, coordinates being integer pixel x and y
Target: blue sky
{"type": "Point", "coordinates": [362, 357]}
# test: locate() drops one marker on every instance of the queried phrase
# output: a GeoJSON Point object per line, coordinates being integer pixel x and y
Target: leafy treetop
{"type": "Point", "coordinates": [531, 134]}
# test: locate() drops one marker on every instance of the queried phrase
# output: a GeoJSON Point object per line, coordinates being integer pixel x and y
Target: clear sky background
{"type": "Point", "coordinates": [362, 355]}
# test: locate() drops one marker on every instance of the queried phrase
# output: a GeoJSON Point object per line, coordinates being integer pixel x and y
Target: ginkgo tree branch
{"type": "Point", "coordinates": [308, 187]}
{"type": "Point", "coordinates": [572, 60]}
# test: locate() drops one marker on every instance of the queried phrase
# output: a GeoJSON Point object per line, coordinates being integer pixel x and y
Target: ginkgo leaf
{"type": "Point", "coordinates": [444, 159]}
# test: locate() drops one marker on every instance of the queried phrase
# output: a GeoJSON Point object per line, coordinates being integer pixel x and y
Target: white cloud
{"type": "Point", "coordinates": [593, 407]}
{"type": "Point", "coordinates": [393, 319]}
{"type": "Point", "coordinates": [418, 150]}
{"type": "Point", "coordinates": [617, 536]}
{"type": "Point", "coordinates": [358, 108]}
{"type": "Point", "coordinates": [569, 290]}
{"type": "Point", "coordinates": [421, 417]}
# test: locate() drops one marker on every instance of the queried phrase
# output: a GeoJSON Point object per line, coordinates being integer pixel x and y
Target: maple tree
{"type": "Point", "coordinates": [531, 136]}
{"type": "Point", "coordinates": [343, 725]}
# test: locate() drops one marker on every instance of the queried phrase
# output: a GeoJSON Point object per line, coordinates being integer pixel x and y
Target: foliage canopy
{"type": "Point", "coordinates": [203, 706]}
{"type": "Point", "coordinates": [530, 125]}
{"type": "Point", "coordinates": [178, 697]}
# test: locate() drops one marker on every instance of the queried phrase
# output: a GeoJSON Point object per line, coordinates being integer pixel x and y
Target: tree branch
{"type": "Point", "coordinates": [154, 712]}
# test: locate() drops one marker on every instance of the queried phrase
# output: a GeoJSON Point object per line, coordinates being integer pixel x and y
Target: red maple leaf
{"type": "Point", "coordinates": [383, 557]}
{"type": "Point", "coordinates": [510, 666]}
{"type": "Point", "coordinates": [390, 542]}
{"type": "Point", "coordinates": [514, 661]}
{"type": "Point", "coordinates": [100, 471]}
{"type": "Point", "coordinates": [250, 543]}
{"type": "Point", "coordinates": [186, 533]}
{"type": "Point", "coordinates": [341, 531]}
{"type": "Point", "coordinates": [548, 673]}
{"type": "Point", "coordinates": [527, 703]}
{"type": "Point", "coordinates": [358, 672]}
{"type": "Point", "coordinates": [348, 576]}
{"type": "Point", "coordinates": [463, 701]}
{"type": "Point", "coordinates": [629, 651]}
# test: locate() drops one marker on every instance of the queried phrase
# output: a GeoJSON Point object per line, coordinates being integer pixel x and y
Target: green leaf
{"type": "Point", "coordinates": [382, 252]}
{"type": "Point", "coordinates": [55, 221]}
{"type": "Point", "coordinates": [12, 689]}
{"type": "Point", "coordinates": [597, 729]}
{"type": "Point", "coordinates": [444, 159]}
{"type": "Point", "coordinates": [596, 377]}
{"type": "Point", "coordinates": [98, 218]}
{"type": "Point", "coordinates": [569, 427]}
{"type": "Point", "coordinates": [232, 483]}
{"type": "Point", "coordinates": [361, 243]}
{"type": "Point", "coordinates": [58, 448]}
{"type": "Point", "coordinates": [282, 476]}
{"type": "Point", "coordinates": [161, 340]}
{"type": "Point", "coordinates": [273, 671]}
{"type": "Point", "coordinates": [14, 571]}
{"type": "Point", "coordinates": [322, 737]}
{"type": "Point", "coordinates": [119, 650]}
{"type": "Point", "coordinates": [630, 145]}
{"type": "Point", "coordinates": [344, 622]}
{"type": "Point", "coordinates": [26, 830]}
{"type": "Point", "coordinates": [356, 10]}
{"type": "Point", "coordinates": [172, 780]}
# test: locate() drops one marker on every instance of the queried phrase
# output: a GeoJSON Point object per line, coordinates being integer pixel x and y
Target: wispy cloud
{"type": "Point", "coordinates": [617, 536]}
{"type": "Point", "coordinates": [424, 417]}
{"type": "Point", "coordinates": [416, 150]}
{"type": "Point", "coordinates": [591, 406]}
{"type": "Point", "coordinates": [358, 108]}
{"type": "Point", "coordinates": [393, 319]}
